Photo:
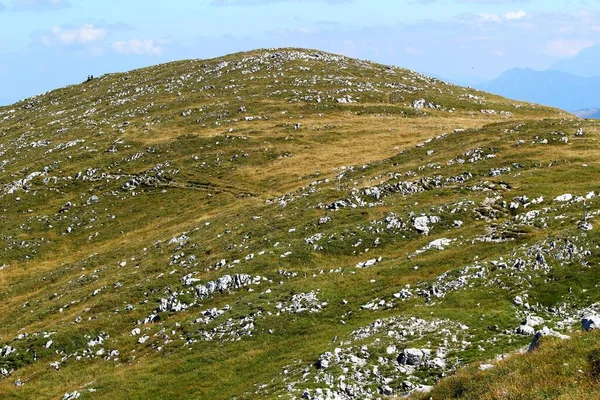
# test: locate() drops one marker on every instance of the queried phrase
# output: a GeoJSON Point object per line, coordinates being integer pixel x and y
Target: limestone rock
{"type": "Point", "coordinates": [411, 357]}
{"type": "Point", "coordinates": [541, 333]}
{"type": "Point", "coordinates": [525, 330]}
{"type": "Point", "coordinates": [421, 223]}
{"type": "Point", "coordinates": [564, 198]}
{"type": "Point", "coordinates": [71, 396]}
{"type": "Point", "coordinates": [590, 322]}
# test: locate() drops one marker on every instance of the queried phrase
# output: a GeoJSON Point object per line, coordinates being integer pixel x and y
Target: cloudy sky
{"type": "Point", "coordinates": [46, 44]}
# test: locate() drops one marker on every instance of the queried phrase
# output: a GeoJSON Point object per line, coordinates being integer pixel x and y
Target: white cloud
{"type": "Point", "coordinates": [514, 15]}
{"type": "Point", "coordinates": [499, 53]}
{"type": "Point", "coordinates": [566, 48]}
{"type": "Point", "coordinates": [489, 18]}
{"type": "Point", "coordinates": [508, 17]}
{"type": "Point", "coordinates": [84, 34]}
{"type": "Point", "coordinates": [139, 47]}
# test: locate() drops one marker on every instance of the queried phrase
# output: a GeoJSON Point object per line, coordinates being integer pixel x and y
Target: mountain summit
{"type": "Point", "coordinates": [285, 224]}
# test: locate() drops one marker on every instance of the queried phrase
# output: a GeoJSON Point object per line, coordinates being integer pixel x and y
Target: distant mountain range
{"type": "Point", "coordinates": [553, 88]}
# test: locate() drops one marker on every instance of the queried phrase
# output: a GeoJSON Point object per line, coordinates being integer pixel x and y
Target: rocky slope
{"type": "Point", "coordinates": [284, 224]}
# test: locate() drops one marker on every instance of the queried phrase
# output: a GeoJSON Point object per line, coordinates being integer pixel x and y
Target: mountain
{"type": "Point", "coordinates": [593, 113]}
{"type": "Point", "coordinates": [553, 88]}
{"type": "Point", "coordinates": [287, 224]}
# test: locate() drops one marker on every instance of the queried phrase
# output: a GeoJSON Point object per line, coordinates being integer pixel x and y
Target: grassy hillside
{"type": "Point", "coordinates": [284, 224]}
{"type": "Point", "coordinates": [572, 373]}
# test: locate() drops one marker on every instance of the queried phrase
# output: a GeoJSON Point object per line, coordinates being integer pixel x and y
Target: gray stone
{"type": "Point", "coordinates": [564, 198]}
{"type": "Point", "coordinates": [421, 224]}
{"type": "Point", "coordinates": [437, 363]}
{"type": "Point", "coordinates": [71, 396]}
{"type": "Point", "coordinates": [93, 199]}
{"type": "Point", "coordinates": [533, 321]}
{"type": "Point", "coordinates": [386, 390]}
{"type": "Point", "coordinates": [590, 322]}
{"type": "Point", "coordinates": [324, 360]}
{"type": "Point", "coordinates": [411, 357]}
{"type": "Point", "coordinates": [525, 330]}
{"type": "Point", "coordinates": [518, 301]}
{"type": "Point", "coordinates": [541, 333]}
{"type": "Point", "coordinates": [423, 389]}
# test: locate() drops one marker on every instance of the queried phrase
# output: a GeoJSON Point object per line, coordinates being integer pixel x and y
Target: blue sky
{"type": "Point", "coordinates": [46, 44]}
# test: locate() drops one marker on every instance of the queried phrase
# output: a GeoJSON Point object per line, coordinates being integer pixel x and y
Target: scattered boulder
{"type": "Point", "coordinates": [518, 301]}
{"type": "Point", "coordinates": [541, 333]}
{"type": "Point", "coordinates": [590, 322]}
{"type": "Point", "coordinates": [324, 220]}
{"type": "Point", "coordinates": [414, 357]}
{"type": "Point", "coordinates": [436, 363]}
{"type": "Point", "coordinates": [585, 226]}
{"type": "Point", "coordinates": [533, 321]}
{"type": "Point", "coordinates": [369, 263]}
{"type": "Point", "coordinates": [68, 205]}
{"type": "Point", "coordinates": [423, 389]}
{"type": "Point", "coordinates": [422, 103]}
{"type": "Point", "coordinates": [421, 223]}
{"type": "Point", "coordinates": [564, 198]}
{"type": "Point", "coordinates": [93, 199]}
{"type": "Point", "coordinates": [386, 390]}
{"type": "Point", "coordinates": [6, 351]}
{"type": "Point", "coordinates": [71, 396]}
{"type": "Point", "coordinates": [324, 360]}
{"type": "Point", "coordinates": [439, 244]}
{"type": "Point", "coordinates": [525, 330]}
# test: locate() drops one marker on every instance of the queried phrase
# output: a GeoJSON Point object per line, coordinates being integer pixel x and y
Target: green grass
{"type": "Point", "coordinates": [558, 369]}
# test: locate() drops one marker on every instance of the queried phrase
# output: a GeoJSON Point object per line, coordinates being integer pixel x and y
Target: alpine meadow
{"type": "Point", "coordinates": [295, 224]}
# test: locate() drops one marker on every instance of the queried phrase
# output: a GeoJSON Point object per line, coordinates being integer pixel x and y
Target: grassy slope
{"type": "Point", "coordinates": [217, 166]}
{"type": "Point", "coordinates": [572, 373]}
